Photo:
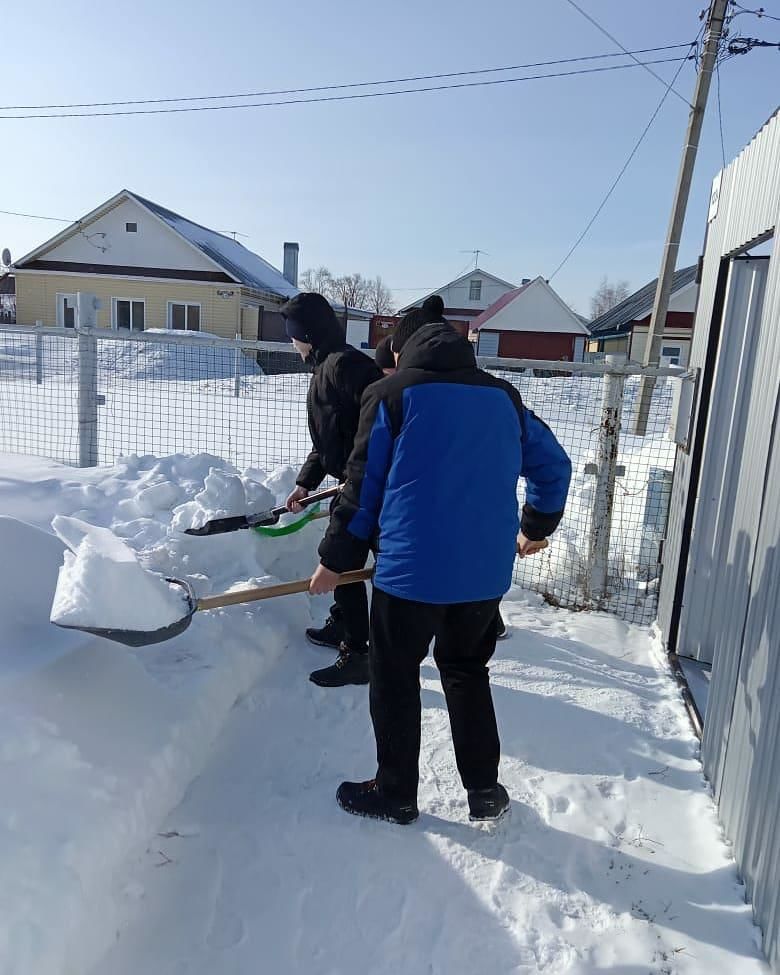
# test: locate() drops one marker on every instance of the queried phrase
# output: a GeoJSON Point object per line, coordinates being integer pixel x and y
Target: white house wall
{"type": "Point", "coordinates": [535, 310]}
{"type": "Point", "coordinates": [154, 245]}
{"type": "Point", "coordinates": [456, 295]}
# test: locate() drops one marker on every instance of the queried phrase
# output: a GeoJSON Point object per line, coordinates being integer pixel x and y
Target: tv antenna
{"type": "Point", "coordinates": [476, 252]}
{"type": "Point", "coordinates": [6, 257]}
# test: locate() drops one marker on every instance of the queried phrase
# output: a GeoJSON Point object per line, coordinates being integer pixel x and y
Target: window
{"type": "Point", "coordinates": [184, 316]}
{"type": "Point", "coordinates": [66, 310]}
{"type": "Point", "coordinates": [129, 313]}
{"type": "Point", "coordinates": [475, 289]}
{"type": "Point", "coordinates": [673, 353]}
{"type": "Point", "coordinates": [131, 228]}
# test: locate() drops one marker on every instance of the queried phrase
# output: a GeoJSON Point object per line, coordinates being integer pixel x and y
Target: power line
{"type": "Point", "coordinates": [614, 40]}
{"type": "Point", "coordinates": [35, 216]}
{"type": "Point", "coordinates": [758, 12]}
{"type": "Point", "coordinates": [354, 84]}
{"type": "Point", "coordinates": [338, 98]}
{"type": "Point", "coordinates": [621, 173]}
{"type": "Point", "coordinates": [720, 115]}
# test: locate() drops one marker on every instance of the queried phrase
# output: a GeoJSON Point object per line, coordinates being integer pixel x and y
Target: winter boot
{"type": "Point", "coordinates": [350, 668]}
{"type": "Point", "coordinates": [329, 635]}
{"type": "Point", "coordinates": [365, 799]}
{"type": "Point", "coordinates": [488, 804]}
{"type": "Point", "coordinates": [500, 627]}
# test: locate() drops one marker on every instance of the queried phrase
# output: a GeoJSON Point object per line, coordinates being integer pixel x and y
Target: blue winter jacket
{"type": "Point", "coordinates": [433, 477]}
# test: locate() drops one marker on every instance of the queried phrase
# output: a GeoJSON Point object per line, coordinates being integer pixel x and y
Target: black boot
{"type": "Point", "coordinates": [487, 804]}
{"type": "Point", "coordinates": [500, 627]}
{"type": "Point", "coordinates": [365, 799]}
{"type": "Point", "coordinates": [329, 635]}
{"type": "Point", "coordinates": [350, 668]}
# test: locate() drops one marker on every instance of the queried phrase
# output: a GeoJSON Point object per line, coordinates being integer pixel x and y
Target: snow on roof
{"type": "Point", "coordinates": [244, 265]}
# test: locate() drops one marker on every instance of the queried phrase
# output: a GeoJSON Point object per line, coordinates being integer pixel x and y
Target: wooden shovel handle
{"type": "Point", "coordinates": [286, 588]}
{"type": "Point", "coordinates": [270, 592]}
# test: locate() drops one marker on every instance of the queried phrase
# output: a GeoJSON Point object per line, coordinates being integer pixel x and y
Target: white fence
{"type": "Point", "coordinates": [88, 396]}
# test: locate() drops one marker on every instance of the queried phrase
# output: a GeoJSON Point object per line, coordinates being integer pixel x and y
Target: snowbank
{"type": "Point", "coordinates": [99, 742]}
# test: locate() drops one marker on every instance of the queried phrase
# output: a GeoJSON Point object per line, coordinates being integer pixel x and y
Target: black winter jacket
{"type": "Point", "coordinates": [341, 374]}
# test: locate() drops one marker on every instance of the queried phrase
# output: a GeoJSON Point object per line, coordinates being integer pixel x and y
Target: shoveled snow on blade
{"type": "Point", "coordinates": [102, 583]}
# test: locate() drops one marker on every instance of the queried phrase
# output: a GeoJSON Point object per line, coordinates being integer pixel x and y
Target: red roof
{"type": "Point", "coordinates": [496, 307]}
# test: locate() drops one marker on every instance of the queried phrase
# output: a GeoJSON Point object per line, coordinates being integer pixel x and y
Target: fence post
{"type": "Point", "coordinates": [86, 319]}
{"type": "Point", "coordinates": [38, 355]}
{"type": "Point", "coordinates": [606, 472]}
{"type": "Point", "coordinates": [237, 368]}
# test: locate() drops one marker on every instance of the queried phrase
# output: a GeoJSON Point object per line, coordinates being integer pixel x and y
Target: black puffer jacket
{"type": "Point", "coordinates": [341, 374]}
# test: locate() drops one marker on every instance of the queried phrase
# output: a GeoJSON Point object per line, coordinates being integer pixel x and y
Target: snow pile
{"type": "Point", "coordinates": [102, 584]}
{"type": "Point", "coordinates": [98, 742]}
{"type": "Point", "coordinates": [126, 360]}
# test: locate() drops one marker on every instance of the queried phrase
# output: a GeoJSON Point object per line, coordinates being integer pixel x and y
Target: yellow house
{"type": "Point", "coordinates": [153, 268]}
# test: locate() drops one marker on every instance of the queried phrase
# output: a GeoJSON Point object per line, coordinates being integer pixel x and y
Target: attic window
{"type": "Point", "coordinates": [475, 289]}
{"type": "Point", "coordinates": [131, 228]}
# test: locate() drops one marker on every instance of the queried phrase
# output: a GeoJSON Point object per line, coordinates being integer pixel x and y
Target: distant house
{"type": "Point", "coordinates": [464, 299]}
{"type": "Point", "coordinates": [153, 268]}
{"type": "Point", "coordinates": [7, 299]}
{"type": "Point", "coordinates": [624, 328]}
{"type": "Point", "coordinates": [530, 322]}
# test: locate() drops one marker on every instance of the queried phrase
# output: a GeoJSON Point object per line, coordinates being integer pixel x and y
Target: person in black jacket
{"type": "Point", "coordinates": [437, 457]}
{"type": "Point", "coordinates": [341, 374]}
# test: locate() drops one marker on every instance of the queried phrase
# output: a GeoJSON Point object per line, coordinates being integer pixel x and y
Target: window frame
{"type": "Point", "coordinates": [478, 283]}
{"type": "Point", "coordinates": [131, 302]}
{"type": "Point", "coordinates": [677, 355]}
{"type": "Point", "coordinates": [186, 305]}
{"type": "Point", "coordinates": [58, 318]}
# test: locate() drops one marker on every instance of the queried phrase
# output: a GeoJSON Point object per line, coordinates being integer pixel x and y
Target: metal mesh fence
{"type": "Point", "coordinates": [89, 398]}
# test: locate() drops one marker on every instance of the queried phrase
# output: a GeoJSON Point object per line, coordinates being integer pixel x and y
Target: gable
{"type": "Point", "coordinates": [456, 294]}
{"type": "Point", "coordinates": [534, 308]}
{"type": "Point", "coordinates": [105, 240]}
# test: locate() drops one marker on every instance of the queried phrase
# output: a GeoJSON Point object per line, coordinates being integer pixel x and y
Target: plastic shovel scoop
{"type": "Point", "coordinates": [263, 519]}
{"type": "Point", "coordinates": [143, 638]}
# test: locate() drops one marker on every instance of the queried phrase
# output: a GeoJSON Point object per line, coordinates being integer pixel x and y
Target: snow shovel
{"type": "Point", "coordinates": [143, 638]}
{"type": "Point", "coordinates": [263, 519]}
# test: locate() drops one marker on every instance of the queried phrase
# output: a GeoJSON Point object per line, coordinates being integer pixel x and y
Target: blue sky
{"type": "Point", "coordinates": [391, 186]}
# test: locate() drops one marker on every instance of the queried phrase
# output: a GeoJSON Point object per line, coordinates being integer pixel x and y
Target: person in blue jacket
{"type": "Point", "coordinates": [433, 475]}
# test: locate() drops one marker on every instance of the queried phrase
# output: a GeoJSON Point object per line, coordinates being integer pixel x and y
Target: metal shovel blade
{"type": "Point", "coordinates": [144, 638]}
{"type": "Point", "coordinates": [220, 526]}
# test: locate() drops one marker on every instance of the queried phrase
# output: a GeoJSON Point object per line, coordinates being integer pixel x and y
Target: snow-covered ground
{"type": "Point", "coordinates": [171, 810]}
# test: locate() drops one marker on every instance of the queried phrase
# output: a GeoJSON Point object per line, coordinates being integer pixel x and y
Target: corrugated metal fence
{"type": "Point", "coordinates": [720, 595]}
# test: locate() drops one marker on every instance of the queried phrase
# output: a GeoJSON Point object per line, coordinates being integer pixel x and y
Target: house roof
{"type": "Point", "coordinates": [618, 319]}
{"type": "Point", "coordinates": [238, 261]}
{"type": "Point", "coordinates": [469, 274]}
{"type": "Point", "coordinates": [511, 296]}
{"type": "Point", "coordinates": [226, 254]}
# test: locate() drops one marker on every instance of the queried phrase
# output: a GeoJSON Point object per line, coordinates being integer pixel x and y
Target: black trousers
{"type": "Point", "coordinates": [350, 608]}
{"type": "Point", "coordinates": [465, 640]}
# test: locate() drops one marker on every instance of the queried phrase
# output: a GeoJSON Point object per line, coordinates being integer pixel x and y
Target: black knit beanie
{"type": "Point", "coordinates": [432, 310]}
{"type": "Point", "coordinates": [310, 318]}
{"type": "Point", "coordinates": [384, 357]}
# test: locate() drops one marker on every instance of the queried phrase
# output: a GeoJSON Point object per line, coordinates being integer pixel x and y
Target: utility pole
{"type": "Point", "coordinates": [714, 31]}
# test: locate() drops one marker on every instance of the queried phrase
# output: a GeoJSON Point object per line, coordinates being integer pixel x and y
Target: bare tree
{"type": "Point", "coordinates": [380, 297]}
{"type": "Point", "coordinates": [607, 296]}
{"type": "Point", "coordinates": [316, 279]}
{"type": "Point", "coordinates": [349, 290]}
